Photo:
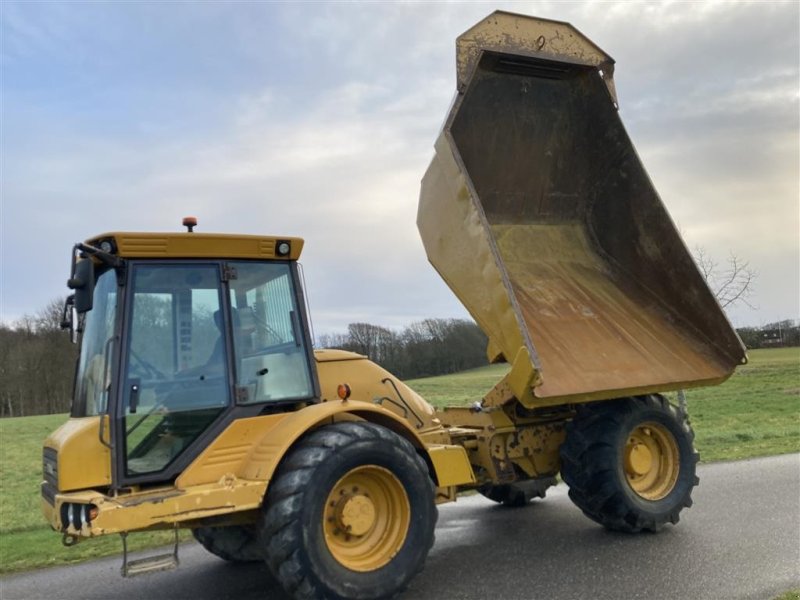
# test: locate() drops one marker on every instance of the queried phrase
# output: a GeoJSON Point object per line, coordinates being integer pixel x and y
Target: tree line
{"type": "Point", "coordinates": [779, 334]}
{"type": "Point", "coordinates": [422, 349]}
{"type": "Point", "coordinates": [37, 358]}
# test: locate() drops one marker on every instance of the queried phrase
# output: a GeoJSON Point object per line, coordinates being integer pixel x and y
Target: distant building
{"type": "Point", "coordinates": [772, 337]}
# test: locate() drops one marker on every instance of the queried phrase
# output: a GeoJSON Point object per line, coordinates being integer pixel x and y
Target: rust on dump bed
{"type": "Point", "coordinates": [538, 213]}
{"type": "Point", "coordinates": [592, 327]}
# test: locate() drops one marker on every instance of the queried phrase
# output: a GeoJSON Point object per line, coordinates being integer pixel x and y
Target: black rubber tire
{"type": "Point", "coordinates": [517, 495]}
{"type": "Point", "coordinates": [291, 523]}
{"type": "Point", "coordinates": [592, 463]}
{"type": "Point", "coordinates": [238, 544]}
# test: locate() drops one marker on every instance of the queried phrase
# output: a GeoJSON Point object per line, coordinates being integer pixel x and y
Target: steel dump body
{"type": "Point", "coordinates": [538, 213]}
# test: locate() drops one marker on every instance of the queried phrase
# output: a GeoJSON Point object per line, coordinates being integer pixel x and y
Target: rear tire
{"type": "Point", "coordinates": [518, 494]}
{"type": "Point", "coordinates": [630, 464]}
{"type": "Point", "coordinates": [349, 514]}
{"type": "Point", "coordinates": [237, 544]}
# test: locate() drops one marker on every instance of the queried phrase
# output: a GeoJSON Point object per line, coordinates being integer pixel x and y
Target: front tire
{"type": "Point", "coordinates": [349, 514]}
{"type": "Point", "coordinates": [630, 464]}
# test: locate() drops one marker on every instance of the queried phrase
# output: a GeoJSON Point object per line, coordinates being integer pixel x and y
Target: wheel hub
{"type": "Point", "coordinates": [639, 459]}
{"type": "Point", "coordinates": [366, 518]}
{"type": "Point", "coordinates": [355, 515]}
{"type": "Point", "coordinates": [651, 461]}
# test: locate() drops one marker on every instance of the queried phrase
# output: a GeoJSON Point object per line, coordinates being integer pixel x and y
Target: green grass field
{"type": "Point", "coordinates": [755, 413]}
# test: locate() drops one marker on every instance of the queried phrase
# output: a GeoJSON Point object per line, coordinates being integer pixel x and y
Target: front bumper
{"type": "Point", "coordinates": [90, 513]}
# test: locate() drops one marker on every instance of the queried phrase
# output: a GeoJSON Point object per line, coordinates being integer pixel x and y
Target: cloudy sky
{"type": "Point", "coordinates": [318, 120]}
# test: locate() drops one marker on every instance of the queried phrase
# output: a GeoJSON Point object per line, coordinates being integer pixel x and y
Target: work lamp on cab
{"type": "Point", "coordinates": [283, 248]}
{"type": "Point", "coordinates": [190, 223]}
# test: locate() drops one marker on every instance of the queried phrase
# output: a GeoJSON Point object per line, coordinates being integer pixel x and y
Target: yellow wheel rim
{"type": "Point", "coordinates": [366, 518]}
{"type": "Point", "coordinates": [652, 461]}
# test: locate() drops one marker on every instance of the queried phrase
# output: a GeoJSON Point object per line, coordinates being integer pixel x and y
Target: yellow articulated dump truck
{"type": "Point", "coordinates": [200, 403]}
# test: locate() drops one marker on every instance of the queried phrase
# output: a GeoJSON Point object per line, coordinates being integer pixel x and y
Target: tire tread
{"type": "Point", "coordinates": [280, 527]}
{"type": "Point", "coordinates": [586, 469]}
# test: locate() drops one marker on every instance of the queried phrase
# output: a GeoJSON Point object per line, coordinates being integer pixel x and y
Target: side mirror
{"type": "Point", "coordinates": [82, 281]}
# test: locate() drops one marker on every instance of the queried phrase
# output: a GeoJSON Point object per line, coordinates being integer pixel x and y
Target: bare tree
{"type": "Point", "coordinates": [378, 343]}
{"type": "Point", "coordinates": [332, 340]}
{"type": "Point", "coordinates": [36, 364]}
{"type": "Point", "coordinates": [732, 282]}
{"type": "Point", "coordinates": [428, 347]}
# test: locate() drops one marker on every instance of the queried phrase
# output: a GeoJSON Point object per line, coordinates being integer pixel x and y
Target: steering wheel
{"type": "Point", "coordinates": [148, 369]}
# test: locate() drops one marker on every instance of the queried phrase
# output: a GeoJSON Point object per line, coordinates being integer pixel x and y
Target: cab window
{"type": "Point", "coordinates": [175, 381]}
{"type": "Point", "coordinates": [269, 344]}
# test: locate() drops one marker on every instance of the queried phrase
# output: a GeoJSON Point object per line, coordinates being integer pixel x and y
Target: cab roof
{"type": "Point", "coordinates": [198, 245]}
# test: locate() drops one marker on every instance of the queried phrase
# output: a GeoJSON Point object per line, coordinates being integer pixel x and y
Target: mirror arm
{"type": "Point", "coordinates": [66, 316]}
{"type": "Point", "coordinates": [106, 258]}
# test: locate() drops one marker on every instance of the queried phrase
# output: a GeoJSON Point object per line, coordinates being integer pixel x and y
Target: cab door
{"type": "Point", "coordinates": [175, 367]}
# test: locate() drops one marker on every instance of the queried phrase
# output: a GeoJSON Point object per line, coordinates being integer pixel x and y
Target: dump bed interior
{"type": "Point", "coordinates": [536, 190]}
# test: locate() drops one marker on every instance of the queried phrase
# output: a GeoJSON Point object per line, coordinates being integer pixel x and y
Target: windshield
{"type": "Point", "coordinates": [94, 364]}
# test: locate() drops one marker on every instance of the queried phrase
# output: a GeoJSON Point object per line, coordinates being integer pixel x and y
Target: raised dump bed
{"type": "Point", "coordinates": [538, 213]}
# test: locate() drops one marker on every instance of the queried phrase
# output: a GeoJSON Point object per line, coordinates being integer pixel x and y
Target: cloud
{"type": "Point", "coordinates": [319, 121]}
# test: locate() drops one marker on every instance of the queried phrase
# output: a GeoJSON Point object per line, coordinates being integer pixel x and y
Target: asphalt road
{"type": "Point", "coordinates": [740, 540]}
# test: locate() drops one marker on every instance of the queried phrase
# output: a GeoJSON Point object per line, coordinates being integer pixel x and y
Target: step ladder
{"type": "Point", "coordinates": [148, 564]}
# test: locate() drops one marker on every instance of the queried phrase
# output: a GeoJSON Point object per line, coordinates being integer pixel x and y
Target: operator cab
{"type": "Point", "coordinates": [185, 333]}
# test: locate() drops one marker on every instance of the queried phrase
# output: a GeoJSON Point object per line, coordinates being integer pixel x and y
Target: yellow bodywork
{"type": "Point", "coordinates": [371, 383]}
{"type": "Point", "coordinates": [232, 473]}
{"type": "Point", "coordinates": [83, 461]}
